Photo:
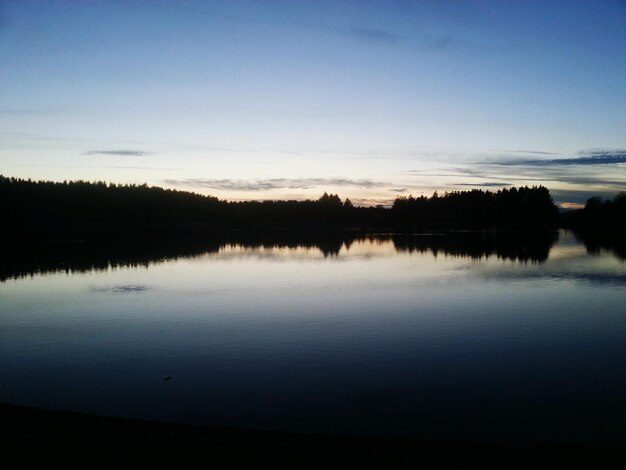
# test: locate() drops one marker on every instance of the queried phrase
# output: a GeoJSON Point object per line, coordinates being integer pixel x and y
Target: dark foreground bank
{"type": "Point", "coordinates": [40, 436]}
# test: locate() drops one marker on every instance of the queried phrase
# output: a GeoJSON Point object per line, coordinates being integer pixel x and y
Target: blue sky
{"type": "Point", "coordinates": [274, 100]}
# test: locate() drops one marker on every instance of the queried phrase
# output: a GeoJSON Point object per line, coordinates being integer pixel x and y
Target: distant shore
{"type": "Point", "coordinates": [43, 436]}
{"type": "Point", "coordinates": [46, 210]}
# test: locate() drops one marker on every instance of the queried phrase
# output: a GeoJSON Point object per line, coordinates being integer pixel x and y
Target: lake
{"type": "Point", "coordinates": [477, 337]}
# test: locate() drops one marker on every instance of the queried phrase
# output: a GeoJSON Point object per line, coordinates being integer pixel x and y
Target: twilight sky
{"type": "Point", "coordinates": [275, 100]}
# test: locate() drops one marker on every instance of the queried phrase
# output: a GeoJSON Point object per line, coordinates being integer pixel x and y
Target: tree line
{"type": "Point", "coordinates": [81, 209]}
{"type": "Point", "coordinates": [517, 208]}
{"type": "Point", "coordinates": [599, 214]}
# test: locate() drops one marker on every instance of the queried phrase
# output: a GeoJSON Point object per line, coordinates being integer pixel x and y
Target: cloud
{"type": "Point", "coordinates": [148, 168]}
{"type": "Point", "coordinates": [571, 205]}
{"type": "Point", "coordinates": [272, 183]}
{"type": "Point", "coordinates": [595, 176]}
{"type": "Point", "coordinates": [536, 152]}
{"type": "Point", "coordinates": [438, 43]}
{"type": "Point", "coordinates": [489, 184]}
{"type": "Point", "coordinates": [447, 43]}
{"type": "Point", "coordinates": [122, 153]}
{"type": "Point", "coordinates": [452, 171]}
{"type": "Point", "coordinates": [398, 190]}
{"type": "Point", "coordinates": [441, 42]}
{"type": "Point", "coordinates": [25, 111]}
{"type": "Point", "coordinates": [586, 180]}
{"type": "Point", "coordinates": [375, 35]}
{"type": "Point", "coordinates": [595, 157]}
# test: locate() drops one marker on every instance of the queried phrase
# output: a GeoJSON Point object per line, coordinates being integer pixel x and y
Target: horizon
{"type": "Point", "coordinates": [285, 101]}
{"type": "Point", "coordinates": [320, 195]}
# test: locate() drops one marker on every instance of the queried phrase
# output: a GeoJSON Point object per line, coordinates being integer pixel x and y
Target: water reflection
{"type": "Point", "coordinates": [122, 289]}
{"type": "Point", "coordinates": [474, 336]}
{"type": "Point", "coordinates": [79, 257]}
{"type": "Point", "coordinates": [611, 242]}
{"type": "Point", "coordinates": [513, 246]}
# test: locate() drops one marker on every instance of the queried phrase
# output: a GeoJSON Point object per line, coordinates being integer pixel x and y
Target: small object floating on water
{"type": "Point", "coordinates": [167, 378]}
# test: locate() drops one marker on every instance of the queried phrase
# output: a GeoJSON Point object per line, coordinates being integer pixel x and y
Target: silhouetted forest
{"type": "Point", "coordinates": [601, 225]}
{"type": "Point", "coordinates": [515, 208]}
{"type": "Point", "coordinates": [599, 214]}
{"type": "Point", "coordinates": [84, 210]}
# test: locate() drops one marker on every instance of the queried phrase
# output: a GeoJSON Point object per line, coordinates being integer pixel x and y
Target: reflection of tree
{"type": "Point", "coordinates": [513, 246]}
{"type": "Point", "coordinates": [601, 225]}
{"type": "Point", "coordinates": [597, 241]}
{"type": "Point", "coordinates": [25, 260]}
{"type": "Point", "coordinates": [21, 260]}
{"type": "Point", "coordinates": [38, 258]}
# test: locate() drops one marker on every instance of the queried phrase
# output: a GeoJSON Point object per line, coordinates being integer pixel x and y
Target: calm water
{"type": "Point", "coordinates": [436, 337]}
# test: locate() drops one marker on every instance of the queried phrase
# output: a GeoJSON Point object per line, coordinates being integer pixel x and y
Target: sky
{"type": "Point", "coordinates": [289, 99]}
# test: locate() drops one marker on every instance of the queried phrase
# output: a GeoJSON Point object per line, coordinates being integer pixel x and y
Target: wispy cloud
{"type": "Point", "coordinates": [148, 168]}
{"type": "Point", "coordinates": [375, 35]}
{"type": "Point", "coordinates": [25, 111]}
{"type": "Point", "coordinates": [585, 180]}
{"type": "Point", "coordinates": [122, 153]}
{"type": "Point", "coordinates": [116, 167]}
{"type": "Point", "coordinates": [447, 43]}
{"type": "Point", "coordinates": [433, 42]}
{"type": "Point", "coordinates": [534, 152]}
{"type": "Point", "coordinates": [595, 157]}
{"type": "Point", "coordinates": [488, 184]}
{"type": "Point", "coordinates": [398, 190]}
{"type": "Point", "coordinates": [272, 183]}
{"type": "Point", "coordinates": [441, 42]}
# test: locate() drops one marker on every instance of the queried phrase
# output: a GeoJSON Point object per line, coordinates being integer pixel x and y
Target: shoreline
{"type": "Point", "coordinates": [38, 435]}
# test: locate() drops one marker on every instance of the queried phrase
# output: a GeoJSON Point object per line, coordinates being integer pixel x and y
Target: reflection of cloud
{"type": "Point", "coordinates": [272, 183]}
{"type": "Point", "coordinates": [595, 278]}
{"type": "Point", "coordinates": [124, 153]}
{"type": "Point", "coordinates": [122, 289]}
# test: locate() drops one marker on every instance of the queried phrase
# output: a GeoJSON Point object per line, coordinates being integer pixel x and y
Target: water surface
{"type": "Point", "coordinates": [455, 337]}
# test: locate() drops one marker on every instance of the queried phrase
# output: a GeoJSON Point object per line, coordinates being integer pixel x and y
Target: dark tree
{"type": "Point", "coordinates": [84, 210]}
